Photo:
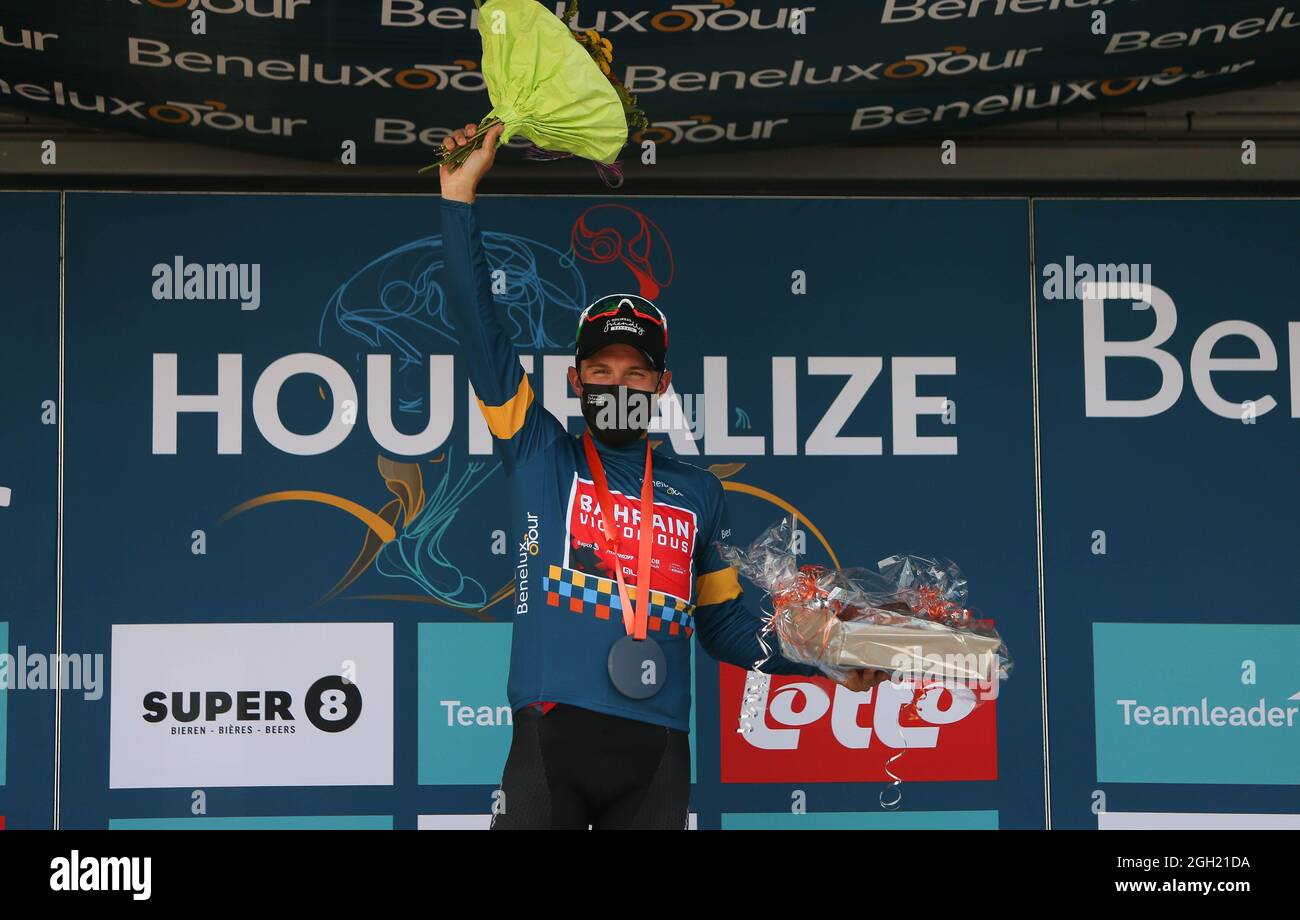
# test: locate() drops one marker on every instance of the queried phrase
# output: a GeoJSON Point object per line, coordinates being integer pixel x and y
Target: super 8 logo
{"type": "Point", "coordinates": [814, 730]}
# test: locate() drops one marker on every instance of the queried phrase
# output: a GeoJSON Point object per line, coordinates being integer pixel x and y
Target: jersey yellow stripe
{"type": "Point", "coordinates": [716, 587]}
{"type": "Point", "coordinates": [504, 421]}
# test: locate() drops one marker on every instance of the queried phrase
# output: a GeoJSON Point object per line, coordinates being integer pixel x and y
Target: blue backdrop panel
{"type": "Point", "coordinates": [29, 475]}
{"type": "Point", "coordinates": [338, 276]}
{"type": "Point", "coordinates": [1197, 510]}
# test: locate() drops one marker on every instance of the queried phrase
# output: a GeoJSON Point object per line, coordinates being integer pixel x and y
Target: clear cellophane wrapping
{"type": "Point", "coordinates": [908, 618]}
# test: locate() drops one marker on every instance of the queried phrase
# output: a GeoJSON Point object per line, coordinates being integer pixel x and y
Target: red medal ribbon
{"type": "Point", "coordinates": [635, 623]}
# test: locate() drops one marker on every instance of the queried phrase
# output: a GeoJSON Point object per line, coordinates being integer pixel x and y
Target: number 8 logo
{"type": "Point", "coordinates": [333, 704]}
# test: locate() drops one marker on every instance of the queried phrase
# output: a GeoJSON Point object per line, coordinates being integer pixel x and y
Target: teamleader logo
{"type": "Point", "coordinates": [1203, 713]}
{"type": "Point", "coordinates": [331, 704]}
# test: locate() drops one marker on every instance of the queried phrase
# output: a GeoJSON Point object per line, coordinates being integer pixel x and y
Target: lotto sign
{"type": "Point", "coordinates": [813, 730]}
{"type": "Point", "coordinates": [251, 704]}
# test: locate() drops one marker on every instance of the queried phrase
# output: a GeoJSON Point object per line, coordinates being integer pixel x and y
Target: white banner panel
{"type": "Point", "coordinates": [251, 704]}
{"type": "Point", "coordinates": [1191, 821]}
{"type": "Point", "coordinates": [484, 822]}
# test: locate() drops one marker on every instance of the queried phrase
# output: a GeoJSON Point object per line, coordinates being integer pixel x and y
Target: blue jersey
{"type": "Point", "coordinates": [566, 610]}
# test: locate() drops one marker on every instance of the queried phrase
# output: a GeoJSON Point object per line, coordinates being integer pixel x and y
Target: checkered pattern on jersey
{"type": "Point", "coordinates": [581, 593]}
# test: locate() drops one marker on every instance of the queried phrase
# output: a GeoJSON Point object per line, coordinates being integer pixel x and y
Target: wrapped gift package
{"type": "Point", "coordinates": [908, 616]}
{"type": "Point", "coordinates": [818, 637]}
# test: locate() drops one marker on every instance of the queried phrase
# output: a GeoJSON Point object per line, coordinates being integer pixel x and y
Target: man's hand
{"type": "Point", "coordinates": [461, 184]}
{"type": "Point", "coordinates": [863, 679]}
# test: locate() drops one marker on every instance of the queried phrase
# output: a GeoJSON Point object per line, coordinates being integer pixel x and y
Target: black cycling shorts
{"type": "Point", "coordinates": [572, 768]}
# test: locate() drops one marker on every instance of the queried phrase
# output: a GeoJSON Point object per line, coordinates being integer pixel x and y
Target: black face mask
{"type": "Point", "coordinates": [616, 415]}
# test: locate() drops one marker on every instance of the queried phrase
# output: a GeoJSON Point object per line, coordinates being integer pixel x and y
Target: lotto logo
{"type": "Point", "coordinates": [813, 730]}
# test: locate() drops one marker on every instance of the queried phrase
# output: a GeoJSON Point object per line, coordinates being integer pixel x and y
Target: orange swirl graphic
{"type": "Point", "coordinates": [382, 528]}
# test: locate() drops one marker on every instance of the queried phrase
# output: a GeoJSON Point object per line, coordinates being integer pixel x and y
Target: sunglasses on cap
{"type": "Point", "coordinates": [652, 313]}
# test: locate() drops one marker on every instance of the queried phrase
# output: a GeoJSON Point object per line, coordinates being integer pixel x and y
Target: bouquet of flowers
{"type": "Point", "coordinates": [552, 85]}
{"type": "Point", "coordinates": [908, 617]}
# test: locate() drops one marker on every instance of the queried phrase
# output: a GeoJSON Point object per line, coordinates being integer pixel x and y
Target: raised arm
{"type": "Point", "coordinates": [517, 421]}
